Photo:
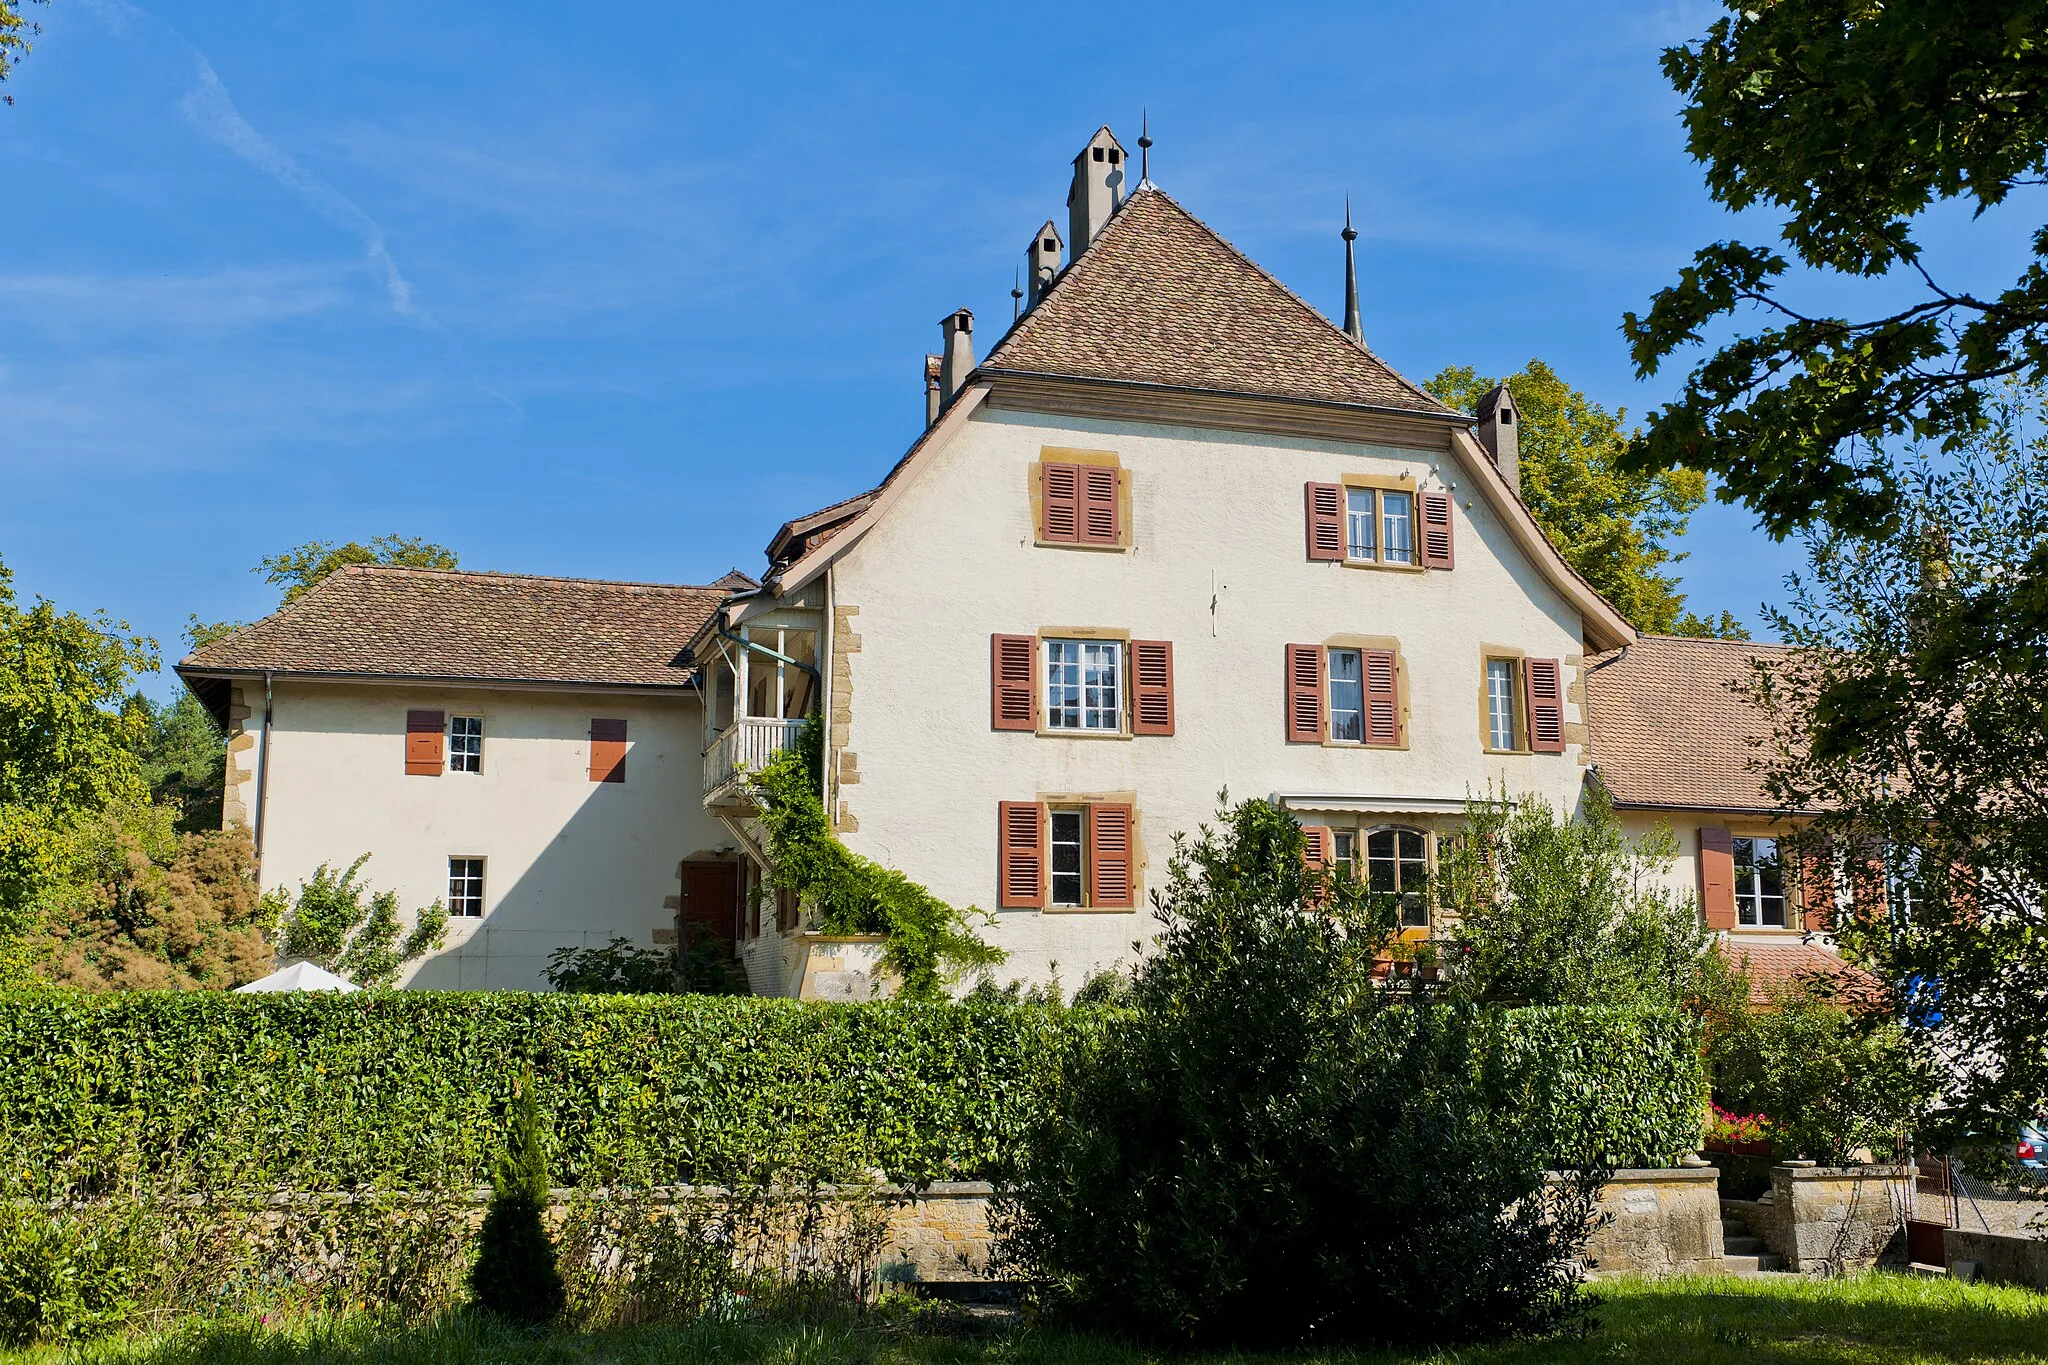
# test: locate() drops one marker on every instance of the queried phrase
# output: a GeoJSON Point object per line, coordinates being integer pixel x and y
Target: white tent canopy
{"type": "Point", "coordinates": [300, 976]}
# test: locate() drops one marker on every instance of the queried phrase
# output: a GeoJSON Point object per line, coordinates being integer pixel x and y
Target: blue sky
{"type": "Point", "coordinates": [613, 290]}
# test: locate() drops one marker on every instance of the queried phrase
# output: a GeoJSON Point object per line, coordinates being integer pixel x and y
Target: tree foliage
{"type": "Point", "coordinates": [928, 943]}
{"type": "Point", "coordinates": [515, 1276]}
{"type": "Point", "coordinates": [15, 33]}
{"type": "Point", "coordinates": [184, 759]}
{"type": "Point", "coordinates": [1273, 1148]}
{"type": "Point", "coordinates": [1912, 713]}
{"type": "Point", "coordinates": [301, 568]}
{"type": "Point", "coordinates": [1612, 525]}
{"type": "Point", "coordinates": [338, 924]}
{"type": "Point", "coordinates": [67, 751]}
{"type": "Point", "coordinates": [1849, 119]}
{"type": "Point", "coordinates": [1550, 910]}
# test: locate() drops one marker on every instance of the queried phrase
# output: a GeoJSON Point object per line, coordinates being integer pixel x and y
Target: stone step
{"type": "Point", "coordinates": [1764, 1264]}
{"type": "Point", "coordinates": [1734, 1227]}
{"type": "Point", "coordinates": [1743, 1246]}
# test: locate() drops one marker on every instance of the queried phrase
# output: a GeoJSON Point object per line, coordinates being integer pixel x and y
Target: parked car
{"type": "Point", "coordinates": [2031, 1150]}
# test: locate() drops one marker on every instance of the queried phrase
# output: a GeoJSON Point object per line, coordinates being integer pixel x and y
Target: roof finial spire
{"type": "Point", "coordinates": [1352, 326]}
{"type": "Point", "coordinates": [1144, 147]}
{"type": "Point", "coordinates": [1016, 295]}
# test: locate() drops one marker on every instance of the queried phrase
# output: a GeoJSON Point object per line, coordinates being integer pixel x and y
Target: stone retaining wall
{"type": "Point", "coordinates": [1832, 1219]}
{"type": "Point", "coordinates": [2000, 1257]}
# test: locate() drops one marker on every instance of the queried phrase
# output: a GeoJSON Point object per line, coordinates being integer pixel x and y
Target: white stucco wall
{"type": "Point", "coordinates": [1682, 878]}
{"type": "Point", "coordinates": [569, 861]}
{"type": "Point", "coordinates": [1216, 516]}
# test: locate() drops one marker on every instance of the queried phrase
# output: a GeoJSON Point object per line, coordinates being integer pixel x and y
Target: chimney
{"type": "Point", "coordinates": [1043, 261]}
{"type": "Point", "coordinates": [1500, 431]}
{"type": "Point", "coordinates": [1098, 189]}
{"type": "Point", "coordinates": [931, 390]}
{"type": "Point", "coordinates": [958, 360]}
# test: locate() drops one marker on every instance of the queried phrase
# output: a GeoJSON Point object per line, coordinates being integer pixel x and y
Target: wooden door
{"type": "Point", "coordinates": [711, 904]}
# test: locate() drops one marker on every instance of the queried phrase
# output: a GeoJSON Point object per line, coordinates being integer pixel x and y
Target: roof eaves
{"type": "Point", "coordinates": [1447, 417]}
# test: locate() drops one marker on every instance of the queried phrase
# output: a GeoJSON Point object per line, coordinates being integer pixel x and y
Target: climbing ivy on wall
{"type": "Point", "coordinates": [928, 942]}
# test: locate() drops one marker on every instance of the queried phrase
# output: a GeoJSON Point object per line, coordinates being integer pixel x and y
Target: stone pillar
{"type": "Point", "coordinates": [1656, 1222]}
{"type": "Point", "coordinates": [1838, 1219]}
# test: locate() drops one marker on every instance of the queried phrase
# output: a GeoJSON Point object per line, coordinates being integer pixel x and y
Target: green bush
{"type": "Point", "coordinates": [69, 1273]}
{"type": "Point", "coordinates": [1275, 1148]}
{"type": "Point", "coordinates": [515, 1276]}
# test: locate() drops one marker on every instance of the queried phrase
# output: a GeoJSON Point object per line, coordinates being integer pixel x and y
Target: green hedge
{"type": "Point", "coordinates": [326, 1091]}
{"type": "Point", "coordinates": [1626, 1086]}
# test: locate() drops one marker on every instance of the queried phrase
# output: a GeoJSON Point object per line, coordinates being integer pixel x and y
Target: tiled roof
{"type": "Point", "coordinates": [372, 620]}
{"type": "Point", "coordinates": [1159, 298]}
{"type": "Point", "coordinates": [1773, 965]}
{"type": "Point", "coordinates": [798, 536]}
{"type": "Point", "coordinates": [1668, 727]}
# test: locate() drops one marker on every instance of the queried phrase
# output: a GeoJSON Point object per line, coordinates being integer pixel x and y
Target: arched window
{"type": "Point", "coordinates": [1397, 864]}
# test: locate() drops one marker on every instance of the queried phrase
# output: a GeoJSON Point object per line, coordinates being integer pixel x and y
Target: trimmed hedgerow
{"type": "Point", "coordinates": [415, 1088]}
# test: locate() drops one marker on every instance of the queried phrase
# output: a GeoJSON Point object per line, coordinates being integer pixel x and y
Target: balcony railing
{"type": "Point", "coordinates": [749, 743]}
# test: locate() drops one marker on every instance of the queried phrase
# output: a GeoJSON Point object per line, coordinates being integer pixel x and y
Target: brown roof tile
{"type": "Point", "coordinates": [1775, 965]}
{"type": "Point", "coordinates": [372, 620]}
{"type": "Point", "coordinates": [1159, 298]}
{"type": "Point", "coordinates": [1668, 727]}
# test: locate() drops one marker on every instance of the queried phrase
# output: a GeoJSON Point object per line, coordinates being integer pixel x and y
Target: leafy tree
{"type": "Point", "coordinates": [1556, 911]}
{"type": "Point", "coordinates": [1612, 525]}
{"type": "Point", "coordinates": [160, 911]}
{"type": "Point", "coordinates": [15, 33]}
{"type": "Point", "coordinates": [184, 759]}
{"type": "Point", "coordinates": [1848, 119]}
{"type": "Point", "coordinates": [300, 568]}
{"type": "Point", "coordinates": [515, 1276]}
{"type": "Point", "coordinates": [1912, 713]}
{"type": "Point", "coordinates": [332, 926]}
{"type": "Point", "coordinates": [67, 748]}
{"type": "Point", "coordinates": [1272, 1148]}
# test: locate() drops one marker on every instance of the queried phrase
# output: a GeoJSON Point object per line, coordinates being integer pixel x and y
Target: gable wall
{"type": "Point", "coordinates": [1214, 514]}
{"type": "Point", "coordinates": [569, 861]}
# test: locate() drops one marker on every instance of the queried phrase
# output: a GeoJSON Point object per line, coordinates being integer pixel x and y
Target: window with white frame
{"type": "Point", "coordinates": [1069, 856]}
{"type": "Point", "coordinates": [1759, 884]}
{"type": "Point", "coordinates": [1397, 864]}
{"type": "Point", "coordinates": [1500, 704]}
{"type": "Point", "coordinates": [466, 888]}
{"type": "Point", "coordinates": [1397, 527]}
{"type": "Point", "coordinates": [1361, 538]}
{"type": "Point", "coordinates": [1347, 696]}
{"type": "Point", "coordinates": [1379, 526]}
{"type": "Point", "coordinates": [1345, 856]}
{"type": "Point", "coordinates": [465, 744]}
{"type": "Point", "coordinates": [1084, 685]}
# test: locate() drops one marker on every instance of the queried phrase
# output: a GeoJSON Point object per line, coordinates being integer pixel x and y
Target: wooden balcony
{"type": "Point", "coordinates": [747, 744]}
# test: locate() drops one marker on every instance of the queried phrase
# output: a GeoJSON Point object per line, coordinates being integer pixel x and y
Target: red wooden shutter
{"type": "Point", "coordinates": [1816, 888]}
{"type": "Point", "coordinates": [1325, 520]}
{"type": "Point", "coordinates": [1060, 511]}
{"type": "Point", "coordinates": [1098, 505]}
{"type": "Point", "coordinates": [1544, 688]}
{"type": "Point", "coordinates": [1020, 855]}
{"type": "Point", "coordinates": [1109, 858]}
{"type": "Point", "coordinates": [1318, 846]}
{"type": "Point", "coordinates": [1436, 530]}
{"type": "Point", "coordinates": [1304, 694]}
{"type": "Point", "coordinates": [1717, 877]}
{"type": "Point", "coordinates": [1382, 697]}
{"type": "Point", "coordinates": [1151, 687]}
{"type": "Point", "coordinates": [607, 751]}
{"type": "Point", "coordinates": [1013, 682]}
{"type": "Point", "coordinates": [423, 743]}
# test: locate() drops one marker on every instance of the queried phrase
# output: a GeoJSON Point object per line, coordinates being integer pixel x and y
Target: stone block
{"type": "Point", "coordinates": [1832, 1220]}
{"type": "Point", "coordinates": [1657, 1222]}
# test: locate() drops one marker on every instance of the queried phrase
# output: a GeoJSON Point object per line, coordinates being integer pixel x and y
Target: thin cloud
{"type": "Point", "coordinates": [210, 110]}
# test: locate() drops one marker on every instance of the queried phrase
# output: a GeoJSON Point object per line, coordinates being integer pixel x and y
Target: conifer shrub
{"type": "Point", "coordinates": [1276, 1148]}
{"type": "Point", "coordinates": [515, 1277]}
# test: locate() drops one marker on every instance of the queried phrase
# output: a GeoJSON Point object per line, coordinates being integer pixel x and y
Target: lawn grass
{"type": "Point", "coordinates": [1879, 1319]}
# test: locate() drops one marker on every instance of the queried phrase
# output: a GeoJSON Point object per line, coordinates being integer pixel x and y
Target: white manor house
{"type": "Point", "coordinates": [1175, 532]}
